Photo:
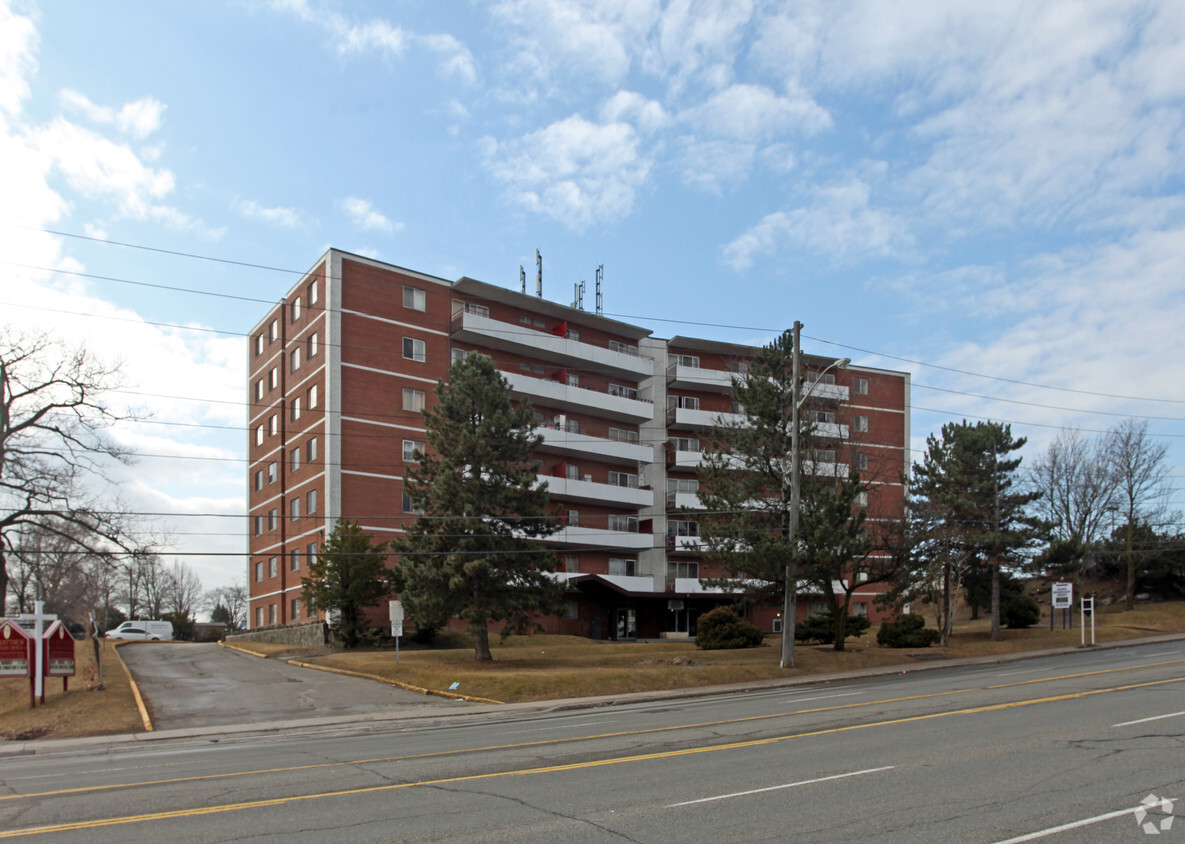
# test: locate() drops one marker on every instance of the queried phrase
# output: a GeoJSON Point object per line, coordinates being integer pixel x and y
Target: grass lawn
{"type": "Point", "coordinates": [81, 711]}
{"type": "Point", "coordinates": [533, 668]}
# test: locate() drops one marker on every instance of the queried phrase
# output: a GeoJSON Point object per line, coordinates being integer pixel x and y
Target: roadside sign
{"type": "Point", "coordinates": [396, 628]}
{"type": "Point", "coordinates": [14, 650]}
{"type": "Point", "coordinates": [59, 651]}
{"type": "Point", "coordinates": [1063, 596]}
{"type": "Point", "coordinates": [396, 610]}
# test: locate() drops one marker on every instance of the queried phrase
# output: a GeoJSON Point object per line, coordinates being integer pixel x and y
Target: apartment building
{"type": "Point", "coordinates": [342, 367]}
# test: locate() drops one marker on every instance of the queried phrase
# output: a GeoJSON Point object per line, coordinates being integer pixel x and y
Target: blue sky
{"type": "Point", "coordinates": [958, 190]}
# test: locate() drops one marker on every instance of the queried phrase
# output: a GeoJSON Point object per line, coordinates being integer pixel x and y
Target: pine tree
{"type": "Point", "coordinates": [965, 489]}
{"type": "Point", "coordinates": [469, 552]}
{"type": "Point", "coordinates": [347, 576]}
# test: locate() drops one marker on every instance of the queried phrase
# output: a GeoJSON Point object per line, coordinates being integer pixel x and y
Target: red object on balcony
{"type": "Point", "coordinates": [561, 329]}
{"type": "Point", "coordinates": [561, 375]}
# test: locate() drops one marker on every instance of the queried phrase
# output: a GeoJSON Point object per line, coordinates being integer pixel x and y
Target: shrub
{"type": "Point", "coordinates": [907, 631]}
{"type": "Point", "coordinates": [821, 628]}
{"type": "Point", "coordinates": [1020, 611]}
{"type": "Point", "coordinates": [722, 628]}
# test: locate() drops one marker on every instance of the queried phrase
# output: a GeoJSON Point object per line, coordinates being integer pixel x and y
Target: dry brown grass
{"type": "Point", "coordinates": [530, 668]}
{"type": "Point", "coordinates": [81, 711]}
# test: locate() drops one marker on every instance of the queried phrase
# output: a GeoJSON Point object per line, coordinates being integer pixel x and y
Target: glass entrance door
{"type": "Point", "coordinates": [627, 624]}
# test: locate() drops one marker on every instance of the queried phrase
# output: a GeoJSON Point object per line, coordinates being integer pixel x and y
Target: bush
{"type": "Point", "coordinates": [722, 629]}
{"type": "Point", "coordinates": [1020, 611]}
{"type": "Point", "coordinates": [821, 628]}
{"type": "Point", "coordinates": [907, 631]}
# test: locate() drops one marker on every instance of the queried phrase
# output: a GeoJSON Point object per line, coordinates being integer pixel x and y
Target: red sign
{"type": "Point", "coordinates": [57, 659]}
{"type": "Point", "coordinates": [15, 651]}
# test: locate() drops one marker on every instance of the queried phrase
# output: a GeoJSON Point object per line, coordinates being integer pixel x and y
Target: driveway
{"type": "Point", "coordinates": [203, 685]}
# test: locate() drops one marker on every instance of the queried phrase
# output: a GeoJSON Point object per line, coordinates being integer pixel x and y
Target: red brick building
{"type": "Point", "coordinates": [341, 368]}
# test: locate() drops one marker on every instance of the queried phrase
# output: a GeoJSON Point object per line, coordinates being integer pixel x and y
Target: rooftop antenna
{"type": "Point", "coordinates": [522, 278]}
{"type": "Point", "coordinates": [578, 295]}
{"type": "Point", "coordinates": [538, 274]}
{"type": "Point", "coordinates": [600, 298]}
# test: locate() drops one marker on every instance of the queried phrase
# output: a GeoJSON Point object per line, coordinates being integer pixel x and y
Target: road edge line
{"type": "Point", "coordinates": [135, 691]}
{"type": "Point", "coordinates": [390, 682]}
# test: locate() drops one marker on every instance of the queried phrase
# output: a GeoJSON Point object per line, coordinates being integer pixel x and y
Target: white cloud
{"type": "Point", "coordinates": [647, 115]}
{"type": "Point", "coordinates": [711, 165]}
{"type": "Point", "coordinates": [455, 58]}
{"type": "Point", "coordinates": [840, 224]}
{"type": "Point", "coordinates": [698, 38]}
{"type": "Point", "coordinates": [138, 119]}
{"type": "Point", "coordinates": [18, 38]}
{"type": "Point", "coordinates": [367, 217]}
{"type": "Point", "coordinates": [288, 218]}
{"type": "Point", "coordinates": [747, 112]}
{"type": "Point", "coordinates": [574, 171]}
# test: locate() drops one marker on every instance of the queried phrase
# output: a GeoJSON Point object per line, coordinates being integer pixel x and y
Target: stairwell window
{"type": "Point", "coordinates": [313, 343]}
{"type": "Point", "coordinates": [295, 308]}
{"type": "Point", "coordinates": [259, 572]}
{"type": "Point", "coordinates": [294, 559]}
{"type": "Point", "coordinates": [296, 359]}
{"type": "Point", "coordinates": [312, 293]}
{"type": "Point", "coordinates": [414, 349]}
{"type": "Point", "coordinates": [294, 509]}
{"type": "Point", "coordinates": [311, 501]}
{"type": "Point", "coordinates": [311, 450]}
{"type": "Point", "coordinates": [296, 408]}
{"type": "Point", "coordinates": [313, 397]}
{"type": "Point", "coordinates": [295, 464]}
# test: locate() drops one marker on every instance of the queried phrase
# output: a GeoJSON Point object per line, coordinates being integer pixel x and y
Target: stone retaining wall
{"type": "Point", "coordinates": [312, 634]}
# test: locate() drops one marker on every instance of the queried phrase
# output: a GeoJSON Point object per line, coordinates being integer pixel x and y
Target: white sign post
{"type": "Point", "coordinates": [396, 610]}
{"type": "Point", "coordinates": [38, 617]}
{"type": "Point", "coordinates": [1088, 608]}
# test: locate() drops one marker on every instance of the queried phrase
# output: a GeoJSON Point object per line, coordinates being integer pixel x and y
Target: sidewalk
{"type": "Point", "coordinates": [447, 709]}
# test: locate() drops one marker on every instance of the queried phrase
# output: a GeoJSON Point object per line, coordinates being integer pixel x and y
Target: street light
{"type": "Point", "coordinates": [790, 588]}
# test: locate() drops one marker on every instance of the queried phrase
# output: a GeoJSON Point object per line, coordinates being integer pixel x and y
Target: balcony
{"type": "Point", "coordinates": [684, 501]}
{"type": "Point", "coordinates": [612, 540]}
{"type": "Point", "coordinates": [684, 377]}
{"type": "Point", "coordinates": [827, 392]}
{"type": "Point", "coordinates": [588, 492]}
{"type": "Point", "coordinates": [557, 441]}
{"type": "Point", "coordinates": [682, 417]}
{"type": "Point", "coordinates": [539, 345]}
{"type": "Point", "coordinates": [685, 544]}
{"type": "Point", "coordinates": [565, 397]}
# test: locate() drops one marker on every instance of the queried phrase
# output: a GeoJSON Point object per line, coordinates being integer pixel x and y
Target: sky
{"type": "Point", "coordinates": [988, 196]}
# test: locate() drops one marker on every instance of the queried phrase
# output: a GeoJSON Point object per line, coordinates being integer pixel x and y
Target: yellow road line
{"type": "Point", "coordinates": [135, 691]}
{"type": "Point", "coordinates": [550, 769]}
{"type": "Point", "coordinates": [543, 742]}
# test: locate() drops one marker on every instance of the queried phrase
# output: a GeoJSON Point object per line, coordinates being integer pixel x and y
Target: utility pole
{"type": "Point", "coordinates": [790, 592]}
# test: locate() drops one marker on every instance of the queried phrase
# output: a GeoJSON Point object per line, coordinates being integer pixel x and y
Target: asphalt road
{"type": "Point", "coordinates": [202, 685]}
{"type": "Point", "coordinates": [1056, 749]}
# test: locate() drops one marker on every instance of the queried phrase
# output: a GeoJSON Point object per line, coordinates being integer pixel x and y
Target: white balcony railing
{"type": "Point", "coordinates": [589, 492]}
{"type": "Point", "coordinates": [558, 441]}
{"type": "Point", "coordinates": [684, 377]}
{"type": "Point", "coordinates": [566, 397]}
{"type": "Point", "coordinates": [615, 540]}
{"type": "Point", "coordinates": [540, 345]}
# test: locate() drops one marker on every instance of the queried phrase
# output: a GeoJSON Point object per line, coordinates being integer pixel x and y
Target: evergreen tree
{"type": "Point", "coordinates": [349, 575]}
{"type": "Point", "coordinates": [469, 552]}
{"type": "Point", "coordinates": [965, 490]}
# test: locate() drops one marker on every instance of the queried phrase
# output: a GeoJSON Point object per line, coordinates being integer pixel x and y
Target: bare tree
{"type": "Point", "coordinates": [53, 452]}
{"type": "Point", "coordinates": [1142, 489]}
{"type": "Point", "coordinates": [183, 590]}
{"type": "Point", "coordinates": [1078, 486]}
{"type": "Point", "coordinates": [230, 602]}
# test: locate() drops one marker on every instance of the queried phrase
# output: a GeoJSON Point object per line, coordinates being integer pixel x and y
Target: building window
{"type": "Point", "coordinates": [295, 464]}
{"type": "Point", "coordinates": [273, 378]}
{"type": "Point", "coordinates": [271, 613]}
{"type": "Point", "coordinates": [273, 425]}
{"type": "Point", "coordinates": [738, 408]}
{"type": "Point", "coordinates": [258, 345]}
{"type": "Point", "coordinates": [271, 472]}
{"type": "Point", "coordinates": [572, 471]}
{"type": "Point", "coordinates": [413, 349]}
{"type": "Point", "coordinates": [310, 554]}
{"type": "Point", "coordinates": [572, 517]}
{"type": "Point", "coordinates": [624, 392]}
{"type": "Point", "coordinates": [313, 344]}
{"type": "Point", "coordinates": [860, 461]}
{"type": "Point", "coordinates": [691, 361]}
{"type": "Point", "coordinates": [860, 424]}
{"type": "Point", "coordinates": [862, 498]}
{"type": "Point", "coordinates": [313, 397]}
{"type": "Point", "coordinates": [259, 616]}
{"type": "Point", "coordinates": [311, 454]}
{"type": "Point", "coordinates": [312, 293]}
{"type": "Point", "coordinates": [259, 390]}
{"type": "Point", "coordinates": [259, 435]}
{"type": "Point", "coordinates": [571, 333]}
{"type": "Point", "coordinates": [296, 408]}
{"type": "Point", "coordinates": [623, 524]}
{"type": "Point", "coordinates": [623, 348]}
{"type": "Point", "coordinates": [571, 611]}
{"type": "Point", "coordinates": [823, 455]}
{"type": "Point", "coordinates": [258, 480]}
{"type": "Point", "coordinates": [824, 416]}
{"type": "Point", "coordinates": [409, 506]}
{"type": "Point", "coordinates": [684, 402]}
{"type": "Point", "coordinates": [458, 355]}
{"type": "Point", "coordinates": [294, 559]}
{"type": "Point", "coordinates": [414, 298]}
{"type": "Point", "coordinates": [271, 519]}
{"type": "Point", "coordinates": [294, 509]}
{"type": "Point", "coordinates": [684, 569]}
{"type": "Point", "coordinates": [573, 379]}
{"type": "Point", "coordinates": [626, 479]}
{"type": "Point", "coordinates": [623, 435]}
{"type": "Point", "coordinates": [273, 331]}
{"type": "Point", "coordinates": [410, 447]}
{"type": "Point", "coordinates": [860, 386]}
{"type": "Point", "coordinates": [273, 567]}
{"type": "Point", "coordinates": [259, 525]}
{"type": "Point", "coordinates": [311, 501]}
{"type": "Point", "coordinates": [295, 610]}
{"type": "Point", "coordinates": [295, 309]}
{"type": "Point", "coordinates": [295, 359]}
{"type": "Point", "coordinates": [739, 367]}
{"type": "Point", "coordinates": [259, 572]}
{"type": "Point", "coordinates": [571, 562]}
{"type": "Point", "coordinates": [623, 567]}
{"type": "Point", "coordinates": [413, 399]}
{"type": "Point", "coordinates": [685, 444]}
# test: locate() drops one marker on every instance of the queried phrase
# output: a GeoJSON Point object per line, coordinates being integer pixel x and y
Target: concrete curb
{"type": "Point", "coordinates": [407, 686]}
{"type": "Point", "coordinates": [135, 690]}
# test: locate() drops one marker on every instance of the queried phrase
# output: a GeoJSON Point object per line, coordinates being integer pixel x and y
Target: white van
{"type": "Point", "coordinates": [153, 631]}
